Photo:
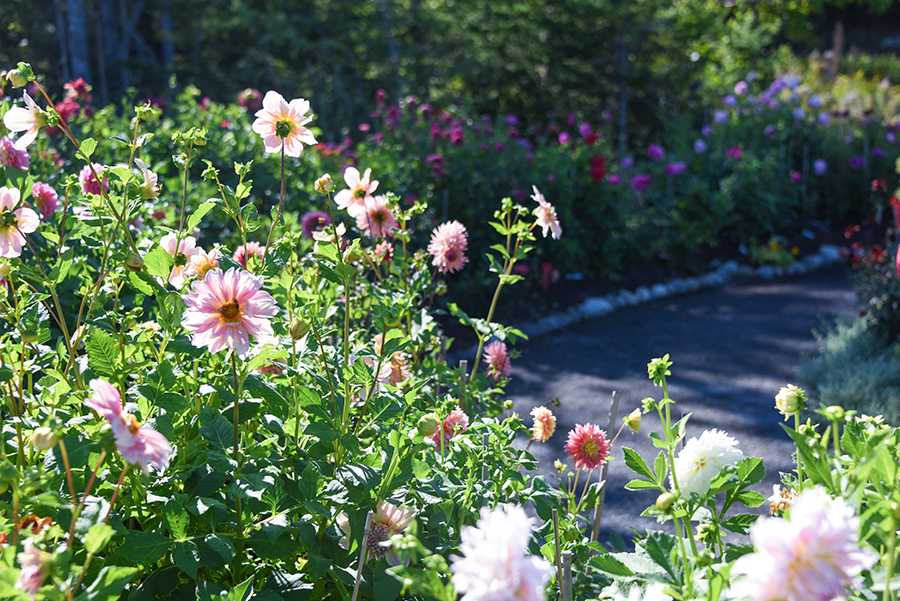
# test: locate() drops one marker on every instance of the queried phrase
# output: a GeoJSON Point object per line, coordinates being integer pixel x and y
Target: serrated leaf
{"type": "Point", "coordinates": [611, 566]}
{"type": "Point", "coordinates": [159, 262]}
{"type": "Point", "coordinates": [145, 547]}
{"type": "Point", "coordinates": [659, 546]}
{"type": "Point", "coordinates": [250, 217]}
{"type": "Point", "coordinates": [97, 537]}
{"type": "Point", "coordinates": [87, 148]}
{"type": "Point", "coordinates": [740, 523]}
{"type": "Point", "coordinates": [177, 519]}
{"type": "Point", "coordinates": [637, 464]}
{"type": "Point", "coordinates": [102, 351]}
{"type": "Point", "coordinates": [187, 557]}
{"type": "Point", "coordinates": [216, 430]}
{"type": "Point", "coordinates": [750, 498]}
{"type": "Point", "coordinates": [750, 470]}
{"type": "Point", "coordinates": [145, 284]}
{"type": "Point", "coordinates": [660, 467]}
{"type": "Point", "coordinates": [222, 546]}
{"type": "Point", "coordinates": [109, 584]}
{"type": "Point", "coordinates": [641, 485]}
{"type": "Point", "coordinates": [198, 214]}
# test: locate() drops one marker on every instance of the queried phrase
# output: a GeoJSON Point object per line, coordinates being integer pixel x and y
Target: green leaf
{"type": "Point", "coordinates": [61, 268]}
{"type": "Point", "coordinates": [637, 464]}
{"type": "Point", "coordinates": [102, 351]}
{"type": "Point", "coordinates": [187, 557]}
{"type": "Point", "coordinates": [216, 430]}
{"type": "Point", "coordinates": [750, 498]}
{"type": "Point", "coordinates": [740, 523]}
{"type": "Point", "coordinates": [88, 145]}
{"type": "Point", "coordinates": [250, 217]}
{"type": "Point", "coordinates": [145, 284]}
{"type": "Point", "coordinates": [159, 262]}
{"type": "Point", "coordinates": [177, 519]}
{"type": "Point", "coordinates": [97, 537]}
{"type": "Point", "coordinates": [659, 546]}
{"type": "Point", "coordinates": [660, 467]}
{"type": "Point", "coordinates": [641, 485]}
{"type": "Point", "coordinates": [750, 470]}
{"type": "Point", "coordinates": [145, 547]}
{"type": "Point", "coordinates": [221, 545]}
{"type": "Point", "coordinates": [611, 566]}
{"type": "Point", "coordinates": [815, 464]}
{"type": "Point", "coordinates": [109, 584]}
{"type": "Point", "coordinates": [198, 214]}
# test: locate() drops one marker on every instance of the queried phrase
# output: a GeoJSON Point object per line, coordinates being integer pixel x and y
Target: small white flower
{"type": "Point", "coordinates": [702, 459]}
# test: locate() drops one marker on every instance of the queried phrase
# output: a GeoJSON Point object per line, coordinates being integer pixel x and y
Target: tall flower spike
{"type": "Point", "coordinates": [29, 119]}
{"type": "Point", "coordinates": [14, 223]}
{"type": "Point", "coordinates": [281, 124]}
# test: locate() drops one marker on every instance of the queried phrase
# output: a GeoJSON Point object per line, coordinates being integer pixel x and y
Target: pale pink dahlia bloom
{"type": "Point", "coordinates": [281, 124]}
{"type": "Point", "coordinates": [398, 364]}
{"type": "Point", "coordinates": [544, 424]}
{"type": "Point", "coordinates": [247, 250]}
{"type": "Point", "coordinates": [387, 521]}
{"type": "Point", "coordinates": [359, 190]}
{"type": "Point", "coordinates": [225, 309]}
{"type": "Point", "coordinates": [89, 183]}
{"type": "Point", "coordinates": [587, 446]}
{"type": "Point", "coordinates": [182, 252]}
{"type": "Point", "coordinates": [149, 188]}
{"type": "Point", "coordinates": [29, 119]}
{"type": "Point", "coordinates": [494, 565]}
{"type": "Point", "coordinates": [496, 356]}
{"type": "Point", "coordinates": [34, 565]}
{"type": "Point", "coordinates": [45, 199]}
{"type": "Point", "coordinates": [448, 245]}
{"type": "Point", "coordinates": [377, 220]}
{"type": "Point", "coordinates": [456, 423]}
{"type": "Point", "coordinates": [138, 445]}
{"type": "Point", "coordinates": [10, 156]}
{"type": "Point", "coordinates": [203, 262]}
{"type": "Point", "coordinates": [14, 223]}
{"type": "Point", "coordinates": [814, 556]}
{"type": "Point", "coordinates": [702, 459]}
{"type": "Point", "coordinates": [546, 215]}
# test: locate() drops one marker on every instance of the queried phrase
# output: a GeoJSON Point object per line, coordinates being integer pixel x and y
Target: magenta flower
{"type": "Point", "coordinates": [656, 152]}
{"type": "Point", "coordinates": [796, 177]}
{"type": "Point", "coordinates": [29, 119]}
{"type": "Point", "coordinates": [14, 223]}
{"type": "Point", "coordinates": [735, 153]}
{"type": "Point", "coordinates": [250, 249]}
{"type": "Point", "coordinates": [587, 446]}
{"type": "Point", "coordinates": [699, 146]}
{"type": "Point", "coordinates": [138, 445]}
{"type": "Point", "coordinates": [314, 221]}
{"type": "Point", "coordinates": [45, 199]}
{"type": "Point", "coordinates": [564, 139]}
{"type": "Point", "coordinates": [359, 189]}
{"type": "Point", "coordinates": [546, 215]}
{"type": "Point", "coordinates": [814, 556]}
{"type": "Point", "coordinates": [182, 254]}
{"type": "Point", "coordinates": [377, 220]}
{"type": "Point", "coordinates": [448, 245]}
{"type": "Point", "coordinates": [676, 168]}
{"type": "Point", "coordinates": [614, 180]}
{"type": "Point", "coordinates": [456, 423]}
{"type": "Point", "coordinates": [770, 131]}
{"type": "Point", "coordinates": [89, 184]}
{"type": "Point", "coordinates": [281, 124]}
{"type": "Point", "coordinates": [10, 156]}
{"type": "Point", "coordinates": [496, 357]}
{"type": "Point", "coordinates": [741, 88]}
{"type": "Point", "coordinates": [225, 309]}
{"type": "Point", "coordinates": [641, 182]}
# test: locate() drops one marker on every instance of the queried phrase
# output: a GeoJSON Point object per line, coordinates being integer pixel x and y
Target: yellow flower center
{"type": "Point", "coordinates": [231, 312]}
{"type": "Point", "coordinates": [590, 447]}
{"type": "Point", "coordinates": [131, 421]}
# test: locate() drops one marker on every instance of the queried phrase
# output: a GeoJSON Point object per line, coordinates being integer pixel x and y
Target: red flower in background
{"type": "Point", "coordinates": [598, 168]}
{"type": "Point", "coordinates": [591, 139]}
{"type": "Point", "coordinates": [879, 184]}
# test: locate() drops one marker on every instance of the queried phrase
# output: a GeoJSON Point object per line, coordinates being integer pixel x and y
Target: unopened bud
{"type": "Point", "coordinates": [43, 439]}
{"type": "Point", "coordinates": [508, 405]}
{"type": "Point", "coordinates": [351, 255]}
{"type": "Point", "coordinates": [30, 336]}
{"type": "Point", "coordinates": [559, 465]}
{"type": "Point", "coordinates": [5, 270]}
{"type": "Point", "coordinates": [835, 413]}
{"type": "Point", "coordinates": [134, 262]}
{"type": "Point", "coordinates": [298, 329]}
{"type": "Point", "coordinates": [790, 400]}
{"type": "Point", "coordinates": [633, 420]}
{"type": "Point", "coordinates": [665, 501]}
{"type": "Point", "coordinates": [16, 78]}
{"type": "Point", "coordinates": [428, 425]}
{"type": "Point", "coordinates": [324, 185]}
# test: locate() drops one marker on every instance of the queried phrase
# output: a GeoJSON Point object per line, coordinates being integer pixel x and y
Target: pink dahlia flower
{"type": "Point", "coordinates": [89, 184]}
{"type": "Point", "coordinates": [399, 363]}
{"type": "Point", "coordinates": [183, 253]}
{"type": "Point", "coordinates": [456, 423]}
{"type": "Point", "coordinates": [377, 220]}
{"type": "Point", "coordinates": [494, 562]}
{"type": "Point", "coordinates": [448, 245]}
{"type": "Point", "coordinates": [10, 156]}
{"type": "Point", "coordinates": [358, 192]}
{"type": "Point", "coordinates": [14, 223]}
{"type": "Point", "coordinates": [34, 565]}
{"type": "Point", "coordinates": [138, 445]}
{"type": "Point", "coordinates": [29, 119]}
{"type": "Point", "coordinates": [281, 124]}
{"type": "Point", "coordinates": [203, 262]}
{"type": "Point", "coordinates": [546, 215]}
{"type": "Point", "coordinates": [225, 309]}
{"type": "Point", "coordinates": [496, 356]}
{"type": "Point", "coordinates": [814, 556]}
{"type": "Point", "coordinates": [45, 199]}
{"type": "Point", "coordinates": [641, 182]}
{"type": "Point", "coordinates": [544, 424]}
{"type": "Point", "coordinates": [587, 446]}
{"type": "Point", "coordinates": [387, 521]}
{"type": "Point", "coordinates": [247, 250]}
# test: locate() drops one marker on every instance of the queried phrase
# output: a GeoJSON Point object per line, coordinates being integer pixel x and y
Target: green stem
{"type": "Point", "coordinates": [799, 461]}
{"type": "Point", "coordinates": [280, 210]}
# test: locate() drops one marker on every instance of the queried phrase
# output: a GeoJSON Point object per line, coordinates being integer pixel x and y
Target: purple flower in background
{"type": "Point", "coordinates": [524, 142]}
{"type": "Point", "coordinates": [729, 101]}
{"type": "Point", "coordinates": [511, 120]}
{"type": "Point", "coordinates": [791, 81]}
{"type": "Point", "coordinates": [799, 113]}
{"type": "Point", "coordinates": [364, 127]}
{"type": "Point", "coordinates": [815, 101]}
{"type": "Point", "coordinates": [891, 137]}
{"type": "Point", "coordinates": [849, 139]}
{"type": "Point", "coordinates": [627, 163]}
{"type": "Point", "coordinates": [585, 129]}
{"type": "Point", "coordinates": [499, 147]}
{"type": "Point", "coordinates": [878, 152]}
{"type": "Point", "coordinates": [857, 162]}
{"type": "Point", "coordinates": [720, 117]}
{"type": "Point", "coordinates": [564, 139]}
{"type": "Point", "coordinates": [614, 180]}
{"type": "Point", "coordinates": [751, 76]}
{"type": "Point", "coordinates": [770, 131]}
{"type": "Point", "coordinates": [735, 153]}
{"type": "Point", "coordinates": [676, 168]}
{"type": "Point", "coordinates": [656, 152]}
{"type": "Point", "coordinates": [571, 120]}
{"type": "Point", "coordinates": [774, 104]}
{"type": "Point", "coordinates": [640, 182]}
{"type": "Point", "coordinates": [706, 131]}
{"type": "Point", "coordinates": [741, 88]}
{"type": "Point", "coordinates": [699, 146]}
{"type": "Point", "coordinates": [820, 166]}
{"type": "Point", "coordinates": [823, 118]}
{"type": "Point", "coordinates": [796, 177]}
{"type": "Point", "coordinates": [513, 133]}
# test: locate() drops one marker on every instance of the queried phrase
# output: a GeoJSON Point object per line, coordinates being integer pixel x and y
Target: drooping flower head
{"type": "Point", "coordinates": [456, 423]}
{"type": "Point", "coordinates": [544, 424]}
{"type": "Point", "coordinates": [387, 521]}
{"type": "Point", "coordinates": [45, 199]}
{"type": "Point", "coordinates": [249, 249]}
{"type": "Point", "coordinates": [29, 119]}
{"type": "Point", "coordinates": [314, 221]}
{"type": "Point", "coordinates": [14, 223]}
{"type": "Point", "coordinates": [182, 252]}
{"type": "Point", "coordinates": [359, 190]}
{"type": "Point", "coordinates": [398, 363]}
{"type": "Point", "coordinates": [225, 309]}
{"type": "Point", "coordinates": [150, 188]}
{"type": "Point", "coordinates": [703, 458]}
{"type": "Point", "coordinates": [202, 263]}
{"type": "Point", "coordinates": [35, 567]}
{"type": "Point", "coordinates": [494, 562]}
{"type": "Point", "coordinates": [587, 446]}
{"type": "Point", "coordinates": [377, 220]}
{"type": "Point", "coordinates": [790, 400]}
{"type": "Point", "coordinates": [496, 357]}
{"type": "Point", "coordinates": [281, 124]}
{"type": "Point", "coordinates": [10, 156]}
{"type": "Point", "coordinates": [546, 215]}
{"type": "Point", "coordinates": [448, 245]}
{"type": "Point", "coordinates": [814, 556]}
{"type": "Point", "coordinates": [89, 183]}
{"type": "Point", "coordinates": [138, 445]}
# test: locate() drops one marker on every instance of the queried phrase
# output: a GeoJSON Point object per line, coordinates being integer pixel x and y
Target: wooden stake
{"type": "Point", "coordinates": [598, 510]}
{"type": "Point", "coordinates": [559, 571]}
{"type": "Point", "coordinates": [362, 555]}
{"type": "Point", "coordinates": [567, 575]}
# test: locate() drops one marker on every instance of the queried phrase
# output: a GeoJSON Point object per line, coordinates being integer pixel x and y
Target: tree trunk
{"type": "Point", "coordinates": [79, 52]}
{"type": "Point", "coordinates": [63, 45]}
{"type": "Point", "coordinates": [108, 44]}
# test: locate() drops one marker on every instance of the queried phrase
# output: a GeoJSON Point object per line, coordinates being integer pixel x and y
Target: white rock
{"type": "Point", "coordinates": [643, 294]}
{"type": "Point", "coordinates": [729, 267]}
{"type": "Point", "coordinates": [596, 307]}
{"type": "Point", "coordinates": [766, 272]}
{"type": "Point", "coordinates": [830, 252]}
{"type": "Point", "coordinates": [660, 291]}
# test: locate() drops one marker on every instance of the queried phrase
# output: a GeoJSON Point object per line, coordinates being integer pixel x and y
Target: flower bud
{"type": "Point", "coordinates": [352, 255]}
{"type": "Point", "coordinates": [428, 425]}
{"type": "Point", "coordinates": [835, 413]}
{"type": "Point", "coordinates": [30, 336]}
{"type": "Point", "coordinates": [665, 501]}
{"type": "Point", "coordinates": [16, 78]}
{"type": "Point", "coordinates": [508, 404]}
{"type": "Point", "coordinates": [134, 262]}
{"type": "Point", "coordinates": [8, 475]}
{"type": "Point", "coordinates": [790, 400]}
{"type": "Point", "coordinates": [43, 439]}
{"type": "Point", "coordinates": [633, 420]}
{"type": "Point", "coordinates": [5, 270]}
{"type": "Point", "coordinates": [324, 185]}
{"type": "Point", "coordinates": [559, 465]}
{"type": "Point", "coordinates": [298, 329]}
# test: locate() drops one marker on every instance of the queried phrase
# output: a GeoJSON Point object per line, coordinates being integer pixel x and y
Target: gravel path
{"type": "Point", "coordinates": [732, 348]}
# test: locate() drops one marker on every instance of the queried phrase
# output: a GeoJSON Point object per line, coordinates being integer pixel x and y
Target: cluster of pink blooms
{"type": "Point", "coordinates": [245, 251]}
{"type": "Point", "coordinates": [34, 564]}
{"type": "Point", "coordinates": [496, 357]}
{"type": "Point", "coordinates": [10, 156]}
{"type": "Point", "coordinates": [456, 423]}
{"type": "Point", "coordinates": [138, 445]}
{"type": "Point", "coordinates": [45, 199]}
{"type": "Point", "coordinates": [373, 214]}
{"type": "Point", "coordinates": [14, 223]}
{"type": "Point", "coordinates": [448, 245]}
{"type": "Point", "coordinates": [88, 181]}
{"type": "Point", "coordinates": [587, 446]}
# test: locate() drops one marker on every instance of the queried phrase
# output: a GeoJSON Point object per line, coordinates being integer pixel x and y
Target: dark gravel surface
{"type": "Point", "coordinates": [732, 348]}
